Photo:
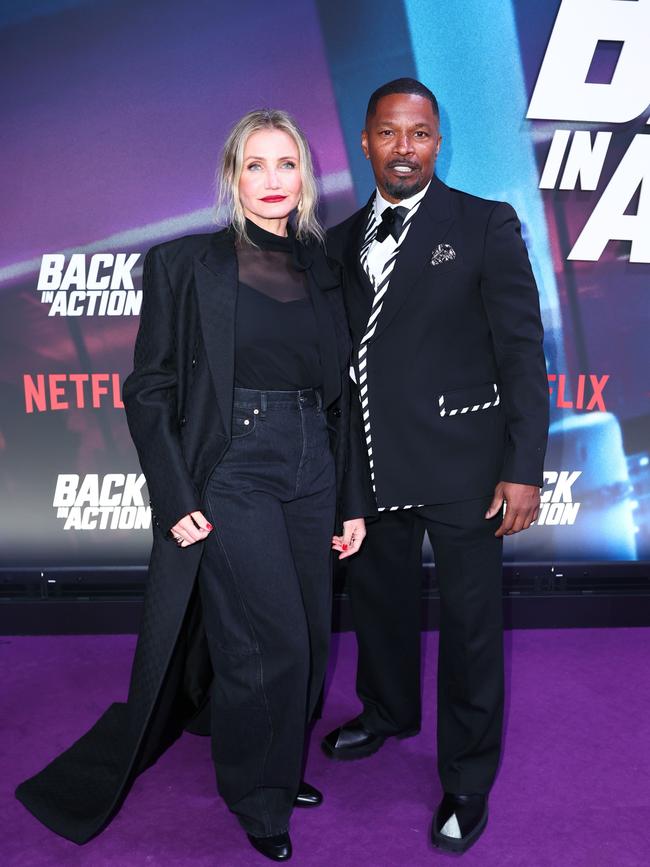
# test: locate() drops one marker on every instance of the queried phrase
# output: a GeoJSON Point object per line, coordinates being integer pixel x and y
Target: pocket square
{"type": "Point", "coordinates": [443, 253]}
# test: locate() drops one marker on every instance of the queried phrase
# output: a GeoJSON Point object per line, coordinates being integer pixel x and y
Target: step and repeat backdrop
{"type": "Point", "coordinates": [113, 117]}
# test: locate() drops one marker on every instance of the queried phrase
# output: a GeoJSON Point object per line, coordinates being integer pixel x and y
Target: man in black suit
{"type": "Point", "coordinates": [450, 371]}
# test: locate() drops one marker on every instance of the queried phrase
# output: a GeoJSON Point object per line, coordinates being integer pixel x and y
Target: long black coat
{"type": "Point", "coordinates": [456, 372]}
{"type": "Point", "coordinates": [179, 402]}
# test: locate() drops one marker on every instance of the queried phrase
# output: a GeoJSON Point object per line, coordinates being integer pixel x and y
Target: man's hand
{"type": "Point", "coordinates": [522, 507]}
{"type": "Point", "coordinates": [354, 532]}
{"type": "Point", "coordinates": [194, 527]}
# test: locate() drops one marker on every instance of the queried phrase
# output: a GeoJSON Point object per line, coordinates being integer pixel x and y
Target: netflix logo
{"type": "Point", "coordinates": [583, 392]}
{"type": "Point", "coordinates": [60, 391]}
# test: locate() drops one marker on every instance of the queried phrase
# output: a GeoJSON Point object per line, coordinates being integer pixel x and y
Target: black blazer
{"type": "Point", "coordinates": [179, 405]}
{"type": "Point", "coordinates": [178, 398]}
{"type": "Point", "coordinates": [458, 391]}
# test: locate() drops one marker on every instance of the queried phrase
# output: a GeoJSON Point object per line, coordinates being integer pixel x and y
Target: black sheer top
{"type": "Point", "coordinates": [276, 336]}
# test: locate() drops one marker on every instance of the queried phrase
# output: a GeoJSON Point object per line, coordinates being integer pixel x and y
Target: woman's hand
{"type": "Point", "coordinates": [354, 532]}
{"type": "Point", "coordinates": [190, 529]}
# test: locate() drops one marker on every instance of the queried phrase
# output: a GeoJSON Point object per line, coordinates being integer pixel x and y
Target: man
{"type": "Point", "coordinates": [450, 370]}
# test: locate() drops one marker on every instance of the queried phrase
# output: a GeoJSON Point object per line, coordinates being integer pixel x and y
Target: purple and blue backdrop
{"type": "Point", "coordinates": [113, 117]}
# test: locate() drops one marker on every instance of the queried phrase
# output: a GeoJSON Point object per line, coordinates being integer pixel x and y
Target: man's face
{"type": "Point", "coordinates": [402, 141]}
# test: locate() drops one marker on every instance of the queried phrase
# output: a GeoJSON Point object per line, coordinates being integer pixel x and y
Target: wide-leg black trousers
{"type": "Point", "coordinates": [385, 586]}
{"type": "Point", "coordinates": [265, 583]}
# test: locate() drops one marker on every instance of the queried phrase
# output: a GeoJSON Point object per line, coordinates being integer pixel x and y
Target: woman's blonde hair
{"type": "Point", "coordinates": [230, 168]}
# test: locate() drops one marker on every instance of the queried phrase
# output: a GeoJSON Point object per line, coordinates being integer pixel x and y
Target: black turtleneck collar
{"type": "Point", "coordinates": [268, 240]}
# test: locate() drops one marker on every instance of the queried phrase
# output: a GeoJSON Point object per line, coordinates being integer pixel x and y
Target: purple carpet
{"type": "Point", "coordinates": [573, 789]}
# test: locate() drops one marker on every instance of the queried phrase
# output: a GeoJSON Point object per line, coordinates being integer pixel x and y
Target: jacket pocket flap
{"type": "Point", "coordinates": [472, 399]}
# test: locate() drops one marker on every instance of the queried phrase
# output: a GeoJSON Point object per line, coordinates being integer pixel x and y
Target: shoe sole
{"type": "Point", "coordinates": [349, 755]}
{"type": "Point", "coordinates": [454, 846]}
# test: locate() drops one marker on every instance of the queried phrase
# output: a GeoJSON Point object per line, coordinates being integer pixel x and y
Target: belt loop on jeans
{"type": "Point", "coordinates": [263, 401]}
{"type": "Point", "coordinates": [319, 399]}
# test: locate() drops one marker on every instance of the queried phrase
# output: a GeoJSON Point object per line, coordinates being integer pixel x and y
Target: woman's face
{"type": "Point", "coordinates": [270, 183]}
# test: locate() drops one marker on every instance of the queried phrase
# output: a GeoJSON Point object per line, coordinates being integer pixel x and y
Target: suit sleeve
{"type": "Point", "coordinates": [150, 401]}
{"type": "Point", "coordinates": [511, 302]}
{"type": "Point", "coordinates": [358, 500]}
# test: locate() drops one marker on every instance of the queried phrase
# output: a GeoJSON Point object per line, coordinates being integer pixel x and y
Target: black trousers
{"type": "Point", "coordinates": [265, 583]}
{"type": "Point", "coordinates": [385, 586]}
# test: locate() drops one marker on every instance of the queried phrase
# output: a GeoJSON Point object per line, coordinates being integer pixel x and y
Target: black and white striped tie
{"type": "Point", "coordinates": [380, 287]}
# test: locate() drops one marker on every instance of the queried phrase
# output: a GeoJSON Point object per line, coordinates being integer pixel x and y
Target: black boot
{"type": "Point", "coordinates": [463, 818]}
{"type": "Point", "coordinates": [277, 848]}
{"type": "Point", "coordinates": [308, 796]}
{"type": "Point", "coordinates": [351, 741]}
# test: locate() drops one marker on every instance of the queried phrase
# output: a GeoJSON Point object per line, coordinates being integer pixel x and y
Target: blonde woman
{"type": "Point", "coordinates": [240, 412]}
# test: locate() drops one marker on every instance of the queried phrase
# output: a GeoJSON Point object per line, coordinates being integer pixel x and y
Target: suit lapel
{"type": "Point", "coordinates": [215, 274]}
{"type": "Point", "coordinates": [430, 225]}
{"type": "Point", "coordinates": [359, 235]}
{"type": "Point", "coordinates": [358, 288]}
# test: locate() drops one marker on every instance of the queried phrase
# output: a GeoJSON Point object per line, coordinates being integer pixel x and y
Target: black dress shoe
{"type": "Point", "coordinates": [308, 796]}
{"type": "Point", "coordinates": [351, 741]}
{"type": "Point", "coordinates": [463, 819]}
{"type": "Point", "coordinates": [277, 848]}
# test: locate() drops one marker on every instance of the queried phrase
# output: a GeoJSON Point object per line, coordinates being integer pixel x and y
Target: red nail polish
{"type": "Point", "coordinates": [344, 546]}
{"type": "Point", "coordinates": [208, 526]}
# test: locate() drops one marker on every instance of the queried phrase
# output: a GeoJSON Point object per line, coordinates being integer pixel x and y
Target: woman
{"type": "Point", "coordinates": [239, 408]}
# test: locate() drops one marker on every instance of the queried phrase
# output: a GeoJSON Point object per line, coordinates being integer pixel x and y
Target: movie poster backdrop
{"type": "Point", "coordinates": [113, 117]}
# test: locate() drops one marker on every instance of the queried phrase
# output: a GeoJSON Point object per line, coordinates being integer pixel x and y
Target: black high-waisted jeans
{"type": "Point", "coordinates": [265, 583]}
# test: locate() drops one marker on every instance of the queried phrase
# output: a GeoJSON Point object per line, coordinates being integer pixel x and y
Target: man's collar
{"type": "Point", "coordinates": [381, 203]}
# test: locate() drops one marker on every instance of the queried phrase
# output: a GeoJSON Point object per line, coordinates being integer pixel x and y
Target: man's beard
{"type": "Point", "coordinates": [406, 188]}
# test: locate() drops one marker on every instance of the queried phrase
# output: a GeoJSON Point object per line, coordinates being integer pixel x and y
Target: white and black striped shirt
{"type": "Point", "coordinates": [378, 260]}
{"type": "Point", "coordinates": [379, 253]}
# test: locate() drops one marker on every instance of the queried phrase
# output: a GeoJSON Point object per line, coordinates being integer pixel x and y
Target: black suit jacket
{"type": "Point", "coordinates": [179, 397]}
{"type": "Point", "coordinates": [448, 334]}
